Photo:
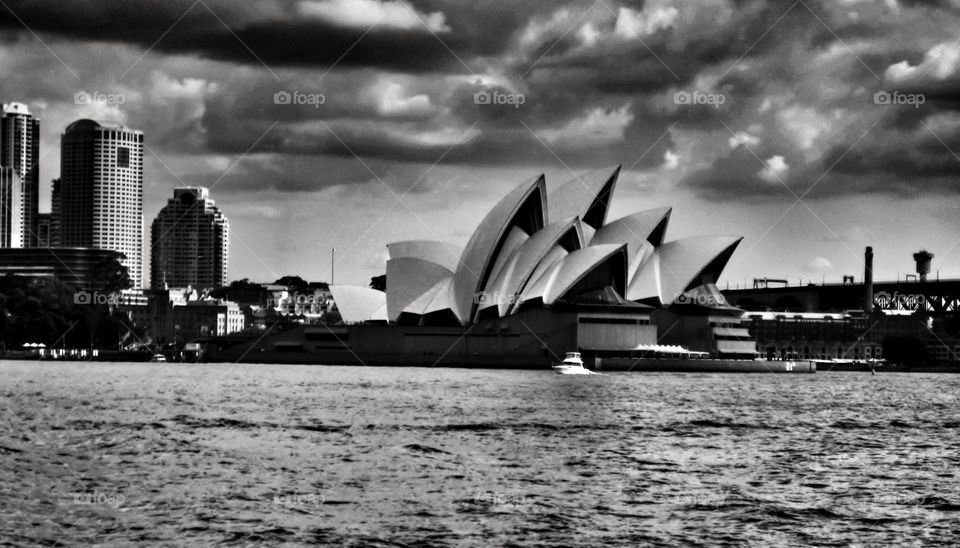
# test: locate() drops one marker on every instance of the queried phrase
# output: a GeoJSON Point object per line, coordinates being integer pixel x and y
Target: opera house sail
{"type": "Point", "coordinates": [544, 273]}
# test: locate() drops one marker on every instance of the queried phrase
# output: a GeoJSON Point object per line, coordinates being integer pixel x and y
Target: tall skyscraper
{"type": "Point", "coordinates": [20, 149]}
{"type": "Point", "coordinates": [190, 242]}
{"type": "Point", "coordinates": [11, 229]}
{"type": "Point", "coordinates": [100, 193]}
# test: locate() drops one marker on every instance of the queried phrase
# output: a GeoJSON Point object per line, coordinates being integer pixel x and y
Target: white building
{"type": "Point", "coordinates": [101, 191]}
{"type": "Point", "coordinates": [180, 314]}
{"type": "Point", "coordinates": [20, 150]}
{"type": "Point", "coordinates": [11, 205]}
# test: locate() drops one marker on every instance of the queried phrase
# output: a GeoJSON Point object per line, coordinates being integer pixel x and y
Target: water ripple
{"type": "Point", "coordinates": [248, 455]}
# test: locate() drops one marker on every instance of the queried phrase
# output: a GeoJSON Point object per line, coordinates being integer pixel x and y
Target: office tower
{"type": "Point", "coordinates": [20, 149]}
{"type": "Point", "coordinates": [190, 242]}
{"type": "Point", "coordinates": [11, 201]}
{"type": "Point", "coordinates": [100, 192]}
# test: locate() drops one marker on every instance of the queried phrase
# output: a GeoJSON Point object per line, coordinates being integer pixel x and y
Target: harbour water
{"type": "Point", "coordinates": [176, 454]}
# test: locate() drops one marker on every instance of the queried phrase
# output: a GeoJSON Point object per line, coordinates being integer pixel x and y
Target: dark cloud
{"type": "Point", "coordinates": [922, 157]}
{"type": "Point", "coordinates": [737, 174]}
{"type": "Point", "coordinates": [236, 32]}
{"type": "Point", "coordinates": [270, 174]}
{"type": "Point", "coordinates": [802, 75]}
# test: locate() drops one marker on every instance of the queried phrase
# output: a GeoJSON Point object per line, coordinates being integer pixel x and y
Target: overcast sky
{"type": "Point", "coordinates": [755, 118]}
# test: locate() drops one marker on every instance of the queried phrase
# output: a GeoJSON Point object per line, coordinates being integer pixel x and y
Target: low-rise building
{"type": "Point", "coordinates": [207, 319]}
{"type": "Point", "coordinates": [306, 305]}
{"type": "Point", "coordinates": [181, 315]}
{"type": "Point", "coordinates": [851, 335]}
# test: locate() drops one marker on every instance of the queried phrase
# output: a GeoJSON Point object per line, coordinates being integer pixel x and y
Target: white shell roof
{"type": "Point", "coordinates": [675, 265]}
{"type": "Point", "coordinates": [634, 230]}
{"type": "Point", "coordinates": [433, 300]}
{"type": "Point", "coordinates": [407, 279]}
{"type": "Point", "coordinates": [516, 273]}
{"type": "Point", "coordinates": [583, 197]}
{"type": "Point", "coordinates": [512, 257]}
{"type": "Point", "coordinates": [514, 240]}
{"type": "Point", "coordinates": [359, 304]}
{"type": "Point", "coordinates": [478, 255]}
{"type": "Point", "coordinates": [563, 275]}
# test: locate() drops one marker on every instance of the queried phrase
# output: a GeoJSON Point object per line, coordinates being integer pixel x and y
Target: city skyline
{"type": "Point", "coordinates": [607, 272]}
{"type": "Point", "coordinates": [800, 127]}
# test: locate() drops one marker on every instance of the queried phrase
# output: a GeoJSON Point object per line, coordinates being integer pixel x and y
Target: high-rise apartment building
{"type": "Point", "coordinates": [190, 242]}
{"type": "Point", "coordinates": [11, 229]}
{"type": "Point", "coordinates": [100, 192]}
{"type": "Point", "coordinates": [20, 150]}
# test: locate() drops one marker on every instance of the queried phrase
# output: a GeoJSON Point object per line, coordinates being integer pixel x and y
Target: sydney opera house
{"type": "Point", "coordinates": [543, 274]}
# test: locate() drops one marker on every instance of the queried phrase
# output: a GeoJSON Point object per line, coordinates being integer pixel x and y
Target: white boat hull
{"type": "Point", "coordinates": [572, 370]}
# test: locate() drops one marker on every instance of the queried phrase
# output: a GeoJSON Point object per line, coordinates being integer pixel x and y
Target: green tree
{"type": "Point", "coordinates": [332, 317]}
{"type": "Point", "coordinates": [379, 282]}
{"type": "Point", "coordinates": [45, 310]}
{"type": "Point", "coordinates": [35, 310]}
{"type": "Point", "coordinates": [241, 291]}
{"type": "Point", "coordinates": [295, 282]}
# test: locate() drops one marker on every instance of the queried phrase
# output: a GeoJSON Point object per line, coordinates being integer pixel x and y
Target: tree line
{"type": "Point", "coordinates": [47, 311]}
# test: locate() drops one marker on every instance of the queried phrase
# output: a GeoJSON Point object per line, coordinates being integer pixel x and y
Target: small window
{"type": "Point", "coordinates": [123, 157]}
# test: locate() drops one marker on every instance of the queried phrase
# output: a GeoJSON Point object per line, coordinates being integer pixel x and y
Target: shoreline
{"type": "Point", "coordinates": [648, 365]}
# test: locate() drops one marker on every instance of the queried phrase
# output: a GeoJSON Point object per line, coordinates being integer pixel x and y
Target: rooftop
{"type": "Point", "coordinates": [86, 124]}
{"type": "Point", "coordinates": [16, 108]}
